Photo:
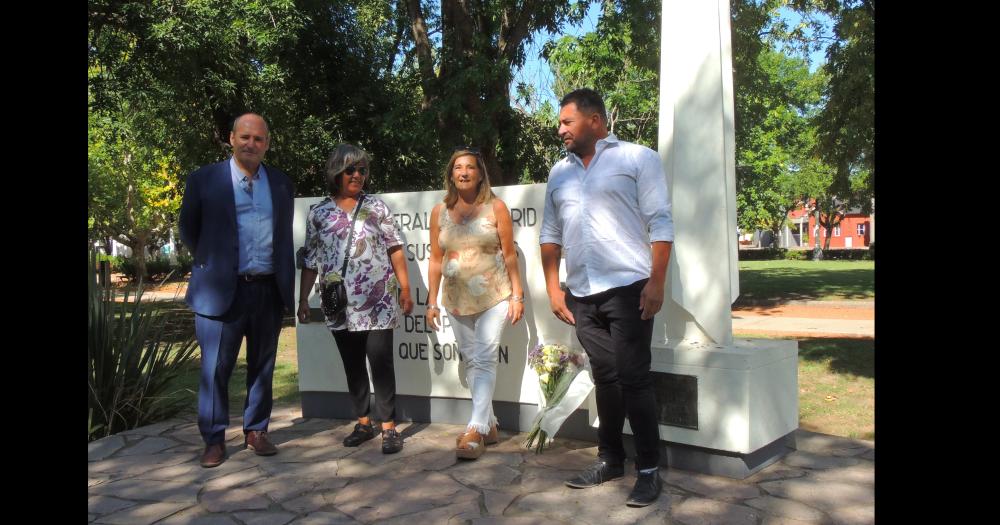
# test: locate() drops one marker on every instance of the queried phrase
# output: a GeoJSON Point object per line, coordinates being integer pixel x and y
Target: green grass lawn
{"type": "Point", "coordinates": [837, 386]}
{"type": "Point", "coordinates": [783, 281]}
{"type": "Point", "coordinates": [285, 385]}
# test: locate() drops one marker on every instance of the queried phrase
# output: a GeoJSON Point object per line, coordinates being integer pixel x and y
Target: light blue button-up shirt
{"type": "Point", "coordinates": [254, 221]}
{"type": "Point", "coordinates": [606, 215]}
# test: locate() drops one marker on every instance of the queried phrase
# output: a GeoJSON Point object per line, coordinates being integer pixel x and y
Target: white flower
{"type": "Point", "coordinates": [451, 268]}
{"type": "Point", "coordinates": [477, 285]}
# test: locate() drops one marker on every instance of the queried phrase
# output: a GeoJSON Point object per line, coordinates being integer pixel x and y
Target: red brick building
{"type": "Point", "coordinates": [854, 231]}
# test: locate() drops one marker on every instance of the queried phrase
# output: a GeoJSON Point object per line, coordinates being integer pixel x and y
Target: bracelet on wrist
{"type": "Point", "coordinates": [433, 307]}
{"type": "Point", "coordinates": [517, 298]}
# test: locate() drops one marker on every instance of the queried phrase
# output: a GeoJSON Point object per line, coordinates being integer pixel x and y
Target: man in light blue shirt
{"type": "Point", "coordinates": [236, 218]}
{"type": "Point", "coordinates": [607, 210]}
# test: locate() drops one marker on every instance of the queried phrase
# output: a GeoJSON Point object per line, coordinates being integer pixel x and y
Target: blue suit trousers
{"type": "Point", "coordinates": [256, 314]}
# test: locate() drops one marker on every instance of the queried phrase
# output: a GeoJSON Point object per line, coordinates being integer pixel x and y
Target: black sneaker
{"type": "Point", "coordinates": [647, 488]}
{"type": "Point", "coordinates": [392, 442]}
{"type": "Point", "coordinates": [361, 434]}
{"type": "Point", "coordinates": [596, 474]}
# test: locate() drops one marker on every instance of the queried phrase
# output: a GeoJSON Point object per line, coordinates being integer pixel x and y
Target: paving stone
{"type": "Point", "coordinates": [265, 518]}
{"type": "Point", "coordinates": [185, 448]}
{"type": "Point", "coordinates": [497, 500]}
{"type": "Point", "coordinates": [288, 486]}
{"type": "Point", "coordinates": [197, 516]}
{"type": "Point", "coordinates": [371, 451]}
{"type": "Point", "coordinates": [312, 502]}
{"type": "Point", "coordinates": [541, 479]}
{"type": "Point", "coordinates": [856, 515]}
{"type": "Point", "coordinates": [94, 481]}
{"type": "Point", "coordinates": [314, 479]}
{"type": "Point", "coordinates": [286, 412]}
{"type": "Point", "coordinates": [604, 504]}
{"type": "Point", "coordinates": [142, 514]}
{"type": "Point", "coordinates": [229, 500]}
{"type": "Point", "coordinates": [235, 479]}
{"type": "Point", "coordinates": [509, 442]}
{"type": "Point", "coordinates": [816, 461]}
{"type": "Point", "coordinates": [785, 508]}
{"type": "Point", "coordinates": [315, 425]}
{"type": "Point", "coordinates": [298, 451]}
{"type": "Point", "coordinates": [326, 518]}
{"type": "Point", "coordinates": [385, 497]}
{"type": "Point", "coordinates": [352, 468]}
{"type": "Point", "coordinates": [863, 473]}
{"type": "Point", "coordinates": [119, 467]}
{"type": "Point", "coordinates": [106, 505]}
{"type": "Point", "coordinates": [517, 520]}
{"type": "Point", "coordinates": [777, 520]}
{"type": "Point", "coordinates": [193, 472]}
{"type": "Point", "coordinates": [321, 469]}
{"type": "Point", "coordinates": [775, 471]}
{"type": "Point", "coordinates": [825, 444]}
{"type": "Point", "coordinates": [823, 495]}
{"type": "Point", "coordinates": [565, 459]}
{"type": "Point", "coordinates": [700, 511]}
{"type": "Point", "coordinates": [485, 476]}
{"type": "Point", "coordinates": [149, 445]}
{"type": "Point", "coordinates": [187, 433]}
{"type": "Point", "coordinates": [149, 490]}
{"type": "Point", "coordinates": [713, 487]}
{"type": "Point", "coordinates": [104, 447]}
{"type": "Point", "coordinates": [154, 429]}
{"type": "Point", "coordinates": [434, 460]}
{"type": "Point", "coordinates": [852, 451]}
{"type": "Point", "coordinates": [456, 513]}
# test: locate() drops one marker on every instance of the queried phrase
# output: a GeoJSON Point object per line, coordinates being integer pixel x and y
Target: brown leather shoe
{"type": "Point", "coordinates": [214, 455]}
{"type": "Point", "coordinates": [257, 441]}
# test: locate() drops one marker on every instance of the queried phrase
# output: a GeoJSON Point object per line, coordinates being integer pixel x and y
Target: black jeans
{"type": "Point", "coordinates": [377, 346]}
{"type": "Point", "coordinates": [609, 325]}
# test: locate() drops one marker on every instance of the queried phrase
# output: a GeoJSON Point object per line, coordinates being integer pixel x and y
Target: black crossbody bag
{"type": "Point", "coordinates": [334, 296]}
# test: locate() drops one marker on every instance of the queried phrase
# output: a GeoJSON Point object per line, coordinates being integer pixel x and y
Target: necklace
{"type": "Point", "coordinates": [464, 217]}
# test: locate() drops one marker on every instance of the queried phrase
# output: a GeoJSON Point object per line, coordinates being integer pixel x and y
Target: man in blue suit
{"type": "Point", "coordinates": [236, 218]}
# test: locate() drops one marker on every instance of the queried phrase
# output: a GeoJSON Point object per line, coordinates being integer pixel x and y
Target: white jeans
{"type": "Point", "coordinates": [478, 337]}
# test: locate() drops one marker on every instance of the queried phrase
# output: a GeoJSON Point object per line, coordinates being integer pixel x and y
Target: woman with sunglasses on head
{"type": "Point", "coordinates": [472, 246]}
{"type": "Point", "coordinates": [353, 226]}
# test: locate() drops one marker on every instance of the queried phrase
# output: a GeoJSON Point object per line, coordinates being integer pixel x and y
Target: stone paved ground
{"type": "Point", "coordinates": [151, 475]}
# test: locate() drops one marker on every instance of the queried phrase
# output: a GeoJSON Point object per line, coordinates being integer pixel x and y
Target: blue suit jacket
{"type": "Point", "coordinates": [208, 229]}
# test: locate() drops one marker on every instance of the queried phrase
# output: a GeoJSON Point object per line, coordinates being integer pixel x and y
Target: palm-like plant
{"type": "Point", "coordinates": [134, 354]}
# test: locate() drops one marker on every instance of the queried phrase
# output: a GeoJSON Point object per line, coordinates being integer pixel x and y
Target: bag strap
{"type": "Point", "coordinates": [350, 237]}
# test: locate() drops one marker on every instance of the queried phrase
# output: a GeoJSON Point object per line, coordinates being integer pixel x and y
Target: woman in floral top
{"type": "Point", "coordinates": [375, 276]}
{"type": "Point", "coordinates": [472, 245]}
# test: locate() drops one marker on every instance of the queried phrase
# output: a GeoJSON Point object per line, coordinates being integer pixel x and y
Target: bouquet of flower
{"type": "Point", "coordinates": [562, 388]}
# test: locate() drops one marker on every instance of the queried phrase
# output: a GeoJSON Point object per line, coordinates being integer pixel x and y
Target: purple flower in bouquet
{"type": "Point", "coordinates": [556, 366]}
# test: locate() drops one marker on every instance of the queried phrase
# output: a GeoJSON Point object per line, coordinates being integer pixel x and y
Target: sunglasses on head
{"type": "Point", "coordinates": [470, 149]}
{"type": "Point", "coordinates": [363, 170]}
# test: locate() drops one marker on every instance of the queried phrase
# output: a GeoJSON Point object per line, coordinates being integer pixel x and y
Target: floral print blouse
{"type": "Point", "coordinates": [372, 288]}
{"type": "Point", "coordinates": [475, 274]}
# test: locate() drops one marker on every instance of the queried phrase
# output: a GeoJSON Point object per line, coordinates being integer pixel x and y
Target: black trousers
{"type": "Point", "coordinates": [376, 345]}
{"type": "Point", "coordinates": [610, 328]}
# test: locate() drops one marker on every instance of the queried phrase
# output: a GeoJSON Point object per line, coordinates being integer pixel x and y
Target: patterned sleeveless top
{"type": "Point", "coordinates": [475, 275]}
